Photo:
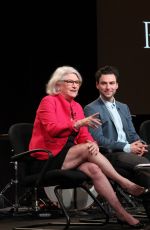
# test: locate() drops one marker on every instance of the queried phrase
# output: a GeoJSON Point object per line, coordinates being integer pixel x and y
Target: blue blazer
{"type": "Point", "coordinates": [106, 134]}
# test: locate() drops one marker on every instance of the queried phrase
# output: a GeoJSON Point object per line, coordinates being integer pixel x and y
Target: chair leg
{"type": "Point", "coordinates": [57, 190]}
{"type": "Point", "coordinates": [98, 204]}
{"type": "Point", "coordinates": [126, 197]}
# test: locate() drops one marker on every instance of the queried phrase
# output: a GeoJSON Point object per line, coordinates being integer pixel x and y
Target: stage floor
{"type": "Point", "coordinates": [24, 220]}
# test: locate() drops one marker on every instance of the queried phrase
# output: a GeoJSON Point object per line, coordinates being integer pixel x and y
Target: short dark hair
{"type": "Point", "coordinates": [106, 70]}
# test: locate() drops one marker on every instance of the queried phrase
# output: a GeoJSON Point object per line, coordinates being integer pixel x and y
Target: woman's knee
{"type": "Point", "coordinates": [94, 169]}
{"type": "Point", "coordinates": [84, 150]}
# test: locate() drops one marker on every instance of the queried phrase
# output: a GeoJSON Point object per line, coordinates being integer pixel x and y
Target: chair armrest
{"type": "Point", "coordinates": [24, 155]}
{"type": "Point", "coordinates": [142, 167]}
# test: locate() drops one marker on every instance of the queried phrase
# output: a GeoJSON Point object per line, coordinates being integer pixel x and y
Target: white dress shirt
{"type": "Point", "coordinates": [111, 107]}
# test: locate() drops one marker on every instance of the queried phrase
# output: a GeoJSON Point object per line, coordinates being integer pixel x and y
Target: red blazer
{"type": "Point", "coordinates": [53, 124]}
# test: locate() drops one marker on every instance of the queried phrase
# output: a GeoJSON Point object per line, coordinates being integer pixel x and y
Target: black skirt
{"type": "Point", "coordinates": [55, 162]}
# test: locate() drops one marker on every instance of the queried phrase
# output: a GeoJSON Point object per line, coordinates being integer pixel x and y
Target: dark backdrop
{"type": "Point", "coordinates": [36, 39]}
{"type": "Point", "coordinates": [121, 42]}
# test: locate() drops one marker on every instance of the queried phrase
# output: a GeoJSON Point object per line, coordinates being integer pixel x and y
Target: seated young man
{"type": "Point", "coordinates": [116, 136]}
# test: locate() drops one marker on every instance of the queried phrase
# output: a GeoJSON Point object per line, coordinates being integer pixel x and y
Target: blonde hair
{"type": "Point", "coordinates": [58, 74]}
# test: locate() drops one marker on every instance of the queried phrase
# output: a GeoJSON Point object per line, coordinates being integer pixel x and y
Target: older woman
{"type": "Point", "coordinates": [61, 127]}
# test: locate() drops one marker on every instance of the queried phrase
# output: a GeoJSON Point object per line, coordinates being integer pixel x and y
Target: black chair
{"type": "Point", "coordinates": [144, 131]}
{"type": "Point", "coordinates": [19, 135]}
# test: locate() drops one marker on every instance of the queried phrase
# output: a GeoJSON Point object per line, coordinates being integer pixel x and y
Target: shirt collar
{"type": "Point", "coordinates": [109, 104]}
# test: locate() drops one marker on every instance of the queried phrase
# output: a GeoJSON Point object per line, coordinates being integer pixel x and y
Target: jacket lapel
{"type": "Point", "coordinates": [104, 109]}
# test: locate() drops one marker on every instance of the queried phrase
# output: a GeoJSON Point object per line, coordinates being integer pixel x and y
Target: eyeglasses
{"type": "Point", "coordinates": [71, 82]}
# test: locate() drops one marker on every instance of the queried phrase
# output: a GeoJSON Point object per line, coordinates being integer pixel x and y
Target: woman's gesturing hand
{"type": "Point", "coordinates": [91, 121]}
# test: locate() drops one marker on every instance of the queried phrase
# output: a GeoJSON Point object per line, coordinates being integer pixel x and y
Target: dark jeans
{"type": "Point", "coordinates": [125, 162]}
{"type": "Point", "coordinates": [147, 155]}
